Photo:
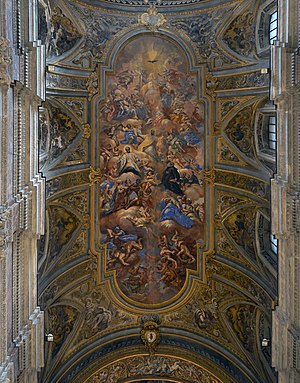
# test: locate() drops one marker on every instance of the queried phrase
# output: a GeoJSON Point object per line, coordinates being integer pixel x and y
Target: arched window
{"type": "Point", "coordinates": [266, 30]}
{"type": "Point", "coordinates": [266, 134]}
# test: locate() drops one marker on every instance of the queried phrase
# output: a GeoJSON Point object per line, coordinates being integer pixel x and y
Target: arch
{"type": "Point", "coordinates": [199, 354]}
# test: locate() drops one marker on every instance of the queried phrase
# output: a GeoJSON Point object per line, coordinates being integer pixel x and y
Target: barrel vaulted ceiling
{"type": "Point", "coordinates": [156, 264]}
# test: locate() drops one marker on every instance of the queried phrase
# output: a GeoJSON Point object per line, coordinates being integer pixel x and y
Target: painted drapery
{"type": "Point", "coordinates": [151, 160]}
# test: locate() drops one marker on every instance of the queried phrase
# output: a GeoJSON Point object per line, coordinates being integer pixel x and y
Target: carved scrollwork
{"type": "Point", "coordinates": [217, 129]}
{"type": "Point", "coordinates": [100, 30]}
{"type": "Point", "coordinates": [211, 85]}
{"type": "Point", "coordinates": [201, 30]}
{"type": "Point", "coordinates": [240, 36]}
{"type": "Point", "coordinates": [94, 176]}
{"type": "Point", "coordinates": [227, 155]}
{"type": "Point", "coordinates": [76, 105]}
{"type": "Point", "coordinates": [252, 185]}
{"type": "Point", "coordinates": [239, 131]}
{"type": "Point", "coordinates": [227, 106]}
{"type": "Point", "coordinates": [209, 175]}
{"type": "Point", "coordinates": [86, 131]}
{"type": "Point", "coordinates": [244, 81]}
{"type": "Point", "coordinates": [152, 19]}
{"type": "Point", "coordinates": [153, 366]}
{"type": "Point", "coordinates": [56, 80]}
{"type": "Point", "coordinates": [92, 84]}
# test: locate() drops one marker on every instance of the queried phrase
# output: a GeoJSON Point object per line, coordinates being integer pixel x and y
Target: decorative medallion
{"type": "Point", "coordinates": [150, 336]}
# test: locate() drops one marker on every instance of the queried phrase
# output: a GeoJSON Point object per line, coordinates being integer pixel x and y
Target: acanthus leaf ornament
{"type": "Point", "coordinates": [209, 175]}
{"type": "Point", "coordinates": [211, 85]}
{"type": "Point", "coordinates": [94, 176]}
{"type": "Point", "coordinates": [86, 131]}
{"type": "Point", "coordinates": [92, 84]}
{"type": "Point", "coordinates": [217, 129]}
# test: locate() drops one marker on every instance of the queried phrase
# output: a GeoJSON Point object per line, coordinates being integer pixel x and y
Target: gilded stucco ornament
{"type": "Point", "coordinates": [211, 85]}
{"type": "Point", "coordinates": [217, 129]}
{"type": "Point", "coordinates": [92, 84]}
{"type": "Point", "coordinates": [158, 366]}
{"type": "Point", "coordinates": [202, 31]}
{"type": "Point", "coordinates": [75, 105]}
{"type": "Point", "coordinates": [152, 19]}
{"type": "Point", "coordinates": [240, 35]}
{"type": "Point", "coordinates": [227, 155]}
{"type": "Point", "coordinates": [202, 312]}
{"type": "Point", "coordinates": [76, 156]}
{"type": "Point", "coordinates": [86, 131]}
{"type": "Point", "coordinates": [250, 184]}
{"type": "Point", "coordinates": [61, 81]}
{"type": "Point", "coordinates": [217, 222]}
{"type": "Point", "coordinates": [94, 176]}
{"type": "Point", "coordinates": [226, 107]}
{"type": "Point", "coordinates": [243, 81]}
{"type": "Point", "coordinates": [209, 175]}
{"type": "Point", "coordinates": [240, 130]}
{"type": "Point", "coordinates": [150, 336]}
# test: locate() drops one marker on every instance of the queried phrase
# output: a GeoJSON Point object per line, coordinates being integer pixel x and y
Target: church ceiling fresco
{"type": "Point", "coordinates": [151, 187]}
{"type": "Point", "coordinates": [155, 265]}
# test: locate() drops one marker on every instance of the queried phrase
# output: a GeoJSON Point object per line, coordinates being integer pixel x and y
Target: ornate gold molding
{"type": "Point", "coordinates": [211, 85]}
{"type": "Point", "coordinates": [94, 176]}
{"type": "Point", "coordinates": [209, 175]}
{"type": "Point", "coordinates": [152, 19]}
{"type": "Point", "coordinates": [86, 131]}
{"type": "Point", "coordinates": [217, 129]}
{"type": "Point", "coordinates": [92, 84]}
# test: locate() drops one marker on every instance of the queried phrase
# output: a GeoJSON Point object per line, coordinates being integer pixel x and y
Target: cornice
{"type": "Point", "coordinates": [166, 6]}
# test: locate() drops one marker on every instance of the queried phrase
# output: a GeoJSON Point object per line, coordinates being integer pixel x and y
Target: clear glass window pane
{"type": "Point", "coordinates": [274, 244]}
{"type": "Point", "coordinates": [273, 27]}
{"type": "Point", "coordinates": [272, 120]}
{"type": "Point", "coordinates": [272, 132]}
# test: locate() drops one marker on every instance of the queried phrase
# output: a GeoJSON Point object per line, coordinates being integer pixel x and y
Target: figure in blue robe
{"type": "Point", "coordinates": [192, 138]}
{"type": "Point", "coordinates": [129, 138]}
{"type": "Point", "coordinates": [172, 212]}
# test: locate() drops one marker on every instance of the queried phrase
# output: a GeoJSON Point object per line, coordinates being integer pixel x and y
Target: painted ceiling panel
{"type": "Point", "coordinates": [156, 263]}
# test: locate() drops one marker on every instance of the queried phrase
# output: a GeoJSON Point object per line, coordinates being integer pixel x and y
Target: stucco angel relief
{"type": "Point", "coordinates": [151, 158]}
